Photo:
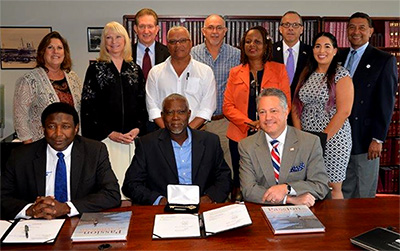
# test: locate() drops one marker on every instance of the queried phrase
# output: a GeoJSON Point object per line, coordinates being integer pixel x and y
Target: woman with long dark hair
{"type": "Point", "coordinates": [322, 103]}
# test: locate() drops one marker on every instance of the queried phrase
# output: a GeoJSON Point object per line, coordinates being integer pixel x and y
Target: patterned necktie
{"type": "Point", "coordinates": [146, 63]}
{"type": "Point", "coordinates": [276, 159]}
{"type": "Point", "coordinates": [60, 186]}
{"type": "Point", "coordinates": [351, 61]}
{"type": "Point", "coordinates": [290, 65]}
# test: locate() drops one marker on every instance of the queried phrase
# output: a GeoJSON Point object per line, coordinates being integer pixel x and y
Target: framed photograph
{"type": "Point", "coordinates": [94, 38]}
{"type": "Point", "coordinates": [19, 46]}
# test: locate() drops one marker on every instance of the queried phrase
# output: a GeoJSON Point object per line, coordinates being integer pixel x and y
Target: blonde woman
{"type": "Point", "coordinates": [113, 98]}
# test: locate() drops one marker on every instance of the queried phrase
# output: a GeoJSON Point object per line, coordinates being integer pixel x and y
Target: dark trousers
{"type": "Point", "coordinates": [233, 148]}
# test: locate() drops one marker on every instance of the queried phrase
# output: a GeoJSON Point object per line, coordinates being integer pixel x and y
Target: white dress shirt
{"type": "Point", "coordinates": [295, 51]}
{"type": "Point", "coordinates": [196, 83]}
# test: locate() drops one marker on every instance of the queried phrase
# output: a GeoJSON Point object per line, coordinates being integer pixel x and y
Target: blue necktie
{"type": "Point", "coordinates": [60, 186]}
{"type": "Point", "coordinates": [276, 159]}
{"type": "Point", "coordinates": [351, 61]}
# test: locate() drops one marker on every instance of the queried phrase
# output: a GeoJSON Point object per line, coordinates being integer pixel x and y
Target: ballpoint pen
{"type": "Point", "coordinates": [27, 231]}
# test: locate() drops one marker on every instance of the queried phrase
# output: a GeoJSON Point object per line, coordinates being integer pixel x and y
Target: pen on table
{"type": "Point", "coordinates": [27, 231]}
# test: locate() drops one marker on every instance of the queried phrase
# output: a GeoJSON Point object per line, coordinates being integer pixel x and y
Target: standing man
{"type": "Point", "coordinates": [177, 154]}
{"type": "Point", "coordinates": [184, 75]}
{"type": "Point", "coordinates": [61, 174]}
{"type": "Point", "coordinates": [221, 58]}
{"type": "Point", "coordinates": [291, 51]}
{"type": "Point", "coordinates": [281, 164]}
{"type": "Point", "coordinates": [374, 76]}
{"type": "Point", "coordinates": [147, 52]}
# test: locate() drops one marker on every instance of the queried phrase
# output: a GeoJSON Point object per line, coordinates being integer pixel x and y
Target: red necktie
{"type": "Point", "coordinates": [276, 160]}
{"type": "Point", "coordinates": [146, 63]}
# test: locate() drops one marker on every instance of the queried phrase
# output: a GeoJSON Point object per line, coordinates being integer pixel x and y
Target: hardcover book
{"type": "Point", "coordinates": [292, 219]}
{"type": "Point", "coordinates": [378, 239]}
{"type": "Point", "coordinates": [104, 226]}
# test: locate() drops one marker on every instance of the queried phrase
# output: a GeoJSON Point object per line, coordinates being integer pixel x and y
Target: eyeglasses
{"type": "Point", "coordinates": [211, 28]}
{"type": "Point", "coordinates": [294, 25]}
{"type": "Point", "coordinates": [181, 41]}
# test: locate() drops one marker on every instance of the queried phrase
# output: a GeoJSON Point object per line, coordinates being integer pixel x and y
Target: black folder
{"type": "Point", "coordinates": [378, 239]}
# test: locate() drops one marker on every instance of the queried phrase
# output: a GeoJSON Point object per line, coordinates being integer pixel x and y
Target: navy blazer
{"type": "Point", "coordinates": [375, 85]}
{"type": "Point", "coordinates": [161, 53]}
{"type": "Point", "coordinates": [153, 167]}
{"type": "Point", "coordinates": [93, 184]}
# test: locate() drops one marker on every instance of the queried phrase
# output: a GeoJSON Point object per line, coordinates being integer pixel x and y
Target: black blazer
{"type": "Point", "coordinates": [93, 184]}
{"type": "Point", "coordinates": [153, 167]}
{"type": "Point", "coordinates": [305, 51]}
{"type": "Point", "coordinates": [375, 84]}
{"type": "Point", "coordinates": [161, 52]}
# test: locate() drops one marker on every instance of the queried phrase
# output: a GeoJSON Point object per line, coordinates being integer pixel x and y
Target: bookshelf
{"type": "Point", "coordinates": [386, 37]}
{"type": "Point", "coordinates": [236, 25]}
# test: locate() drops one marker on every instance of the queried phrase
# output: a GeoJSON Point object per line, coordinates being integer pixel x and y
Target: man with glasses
{"type": "Point", "coordinates": [291, 51]}
{"type": "Point", "coordinates": [221, 57]}
{"type": "Point", "coordinates": [183, 75]}
{"type": "Point", "coordinates": [146, 28]}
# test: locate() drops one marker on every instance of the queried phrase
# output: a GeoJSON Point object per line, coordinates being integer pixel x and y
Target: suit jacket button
{"type": "Point", "coordinates": [356, 118]}
{"type": "Point", "coordinates": [362, 102]}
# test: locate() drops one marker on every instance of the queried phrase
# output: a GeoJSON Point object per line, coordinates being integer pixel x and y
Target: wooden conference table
{"type": "Point", "coordinates": [342, 218]}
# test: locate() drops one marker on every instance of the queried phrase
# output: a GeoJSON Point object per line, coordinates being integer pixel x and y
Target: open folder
{"type": "Point", "coordinates": [32, 231]}
{"type": "Point", "coordinates": [201, 225]}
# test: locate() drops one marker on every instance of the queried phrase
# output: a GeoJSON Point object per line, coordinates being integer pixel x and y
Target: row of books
{"type": "Point", "coordinates": [394, 127]}
{"type": "Point", "coordinates": [388, 38]}
{"type": "Point", "coordinates": [388, 181]}
{"type": "Point", "coordinates": [392, 34]}
{"type": "Point", "coordinates": [390, 152]}
{"type": "Point", "coordinates": [236, 29]}
{"type": "Point", "coordinates": [396, 53]}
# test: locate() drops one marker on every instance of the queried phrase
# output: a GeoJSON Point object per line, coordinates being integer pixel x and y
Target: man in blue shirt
{"type": "Point", "coordinates": [221, 57]}
{"type": "Point", "coordinates": [177, 154]}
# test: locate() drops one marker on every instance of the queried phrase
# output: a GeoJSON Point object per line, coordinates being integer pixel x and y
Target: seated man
{"type": "Point", "coordinates": [177, 154]}
{"type": "Point", "coordinates": [289, 169]}
{"type": "Point", "coordinates": [62, 174]}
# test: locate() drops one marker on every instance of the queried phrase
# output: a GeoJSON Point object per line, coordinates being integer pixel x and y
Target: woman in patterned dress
{"type": "Point", "coordinates": [51, 81]}
{"type": "Point", "coordinates": [322, 103]}
{"type": "Point", "coordinates": [113, 98]}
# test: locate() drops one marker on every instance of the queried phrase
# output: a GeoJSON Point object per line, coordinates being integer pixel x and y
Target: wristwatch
{"type": "Point", "coordinates": [289, 188]}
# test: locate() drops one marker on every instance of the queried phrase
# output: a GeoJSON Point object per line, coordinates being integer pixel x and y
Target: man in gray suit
{"type": "Point", "coordinates": [290, 169]}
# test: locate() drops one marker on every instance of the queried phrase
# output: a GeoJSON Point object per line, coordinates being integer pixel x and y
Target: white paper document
{"type": "Point", "coordinates": [4, 225]}
{"type": "Point", "coordinates": [226, 218]}
{"type": "Point", "coordinates": [34, 231]}
{"type": "Point", "coordinates": [176, 226]}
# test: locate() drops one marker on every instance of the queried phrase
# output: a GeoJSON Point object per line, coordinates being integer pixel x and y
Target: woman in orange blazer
{"type": "Point", "coordinates": [245, 81]}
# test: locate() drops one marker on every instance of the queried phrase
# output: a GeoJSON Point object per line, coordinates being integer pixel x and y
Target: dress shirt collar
{"type": "Point", "coordinates": [66, 152]}
{"type": "Point", "coordinates": [281, 138]}
{"type": "Point", "coordinates": [361, 50]}
{"type": "Point", "coordinates": [296, 47]}
{"type": "Point", "coordinates": [143, 47]}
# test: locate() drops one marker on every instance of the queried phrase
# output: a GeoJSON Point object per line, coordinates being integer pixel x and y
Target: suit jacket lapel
{"type": "Point", "coordinates": [197, 153]}
{"type": "Point", "coordinates": [263, 156]}
{"type": "Point", "coordinates": [39, 166]}
{"type": "Point", "coordinates": [134, 50]}
{"type": "Point", "coordinates": [244, 74]}
{"type": "Point", "coordinates": [362, 70]}
{"type": "Point", "coordinates": [167, 151]}
{"type": "Point", "coordinates": [289, 154]}
{"type": "Point", "coordinates": [279, 52]}
{"type": "Point", "coordinates": [77, 160]}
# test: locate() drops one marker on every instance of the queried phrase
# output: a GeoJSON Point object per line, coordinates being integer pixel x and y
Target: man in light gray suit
{"type": "Point", "coordinates": [290, 169]}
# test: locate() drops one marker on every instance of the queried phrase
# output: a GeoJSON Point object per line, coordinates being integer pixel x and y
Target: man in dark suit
{"type": "Point", "coordinates": [62, 174]}
{"type": "Point", "coordinates": [177, 154]}
{"type": "Point", "coordinates": [146, 28]}
{"type": "Point", "coordinates": [281, 164]}
{"type": "Point", "coordinates": [291, 28]}
{"type": "Point", "coordinates": [374, 76]}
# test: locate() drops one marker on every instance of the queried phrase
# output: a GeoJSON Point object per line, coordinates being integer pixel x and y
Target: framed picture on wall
{"type": "Point", "coordinates": [94, 38]}
{"type": "Point", "coordinates": [19, 46]}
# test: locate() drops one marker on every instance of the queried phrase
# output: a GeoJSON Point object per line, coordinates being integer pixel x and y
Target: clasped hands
{"type": "Point", "coordinates": [47, 208]}
{"type": "Point", "coordinates": [126, 138]}
{"type": "Point", "coordinates": [277, 193]}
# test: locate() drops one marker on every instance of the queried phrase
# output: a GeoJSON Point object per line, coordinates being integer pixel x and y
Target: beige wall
{"type": "Point", "coordinates": [71, 18]}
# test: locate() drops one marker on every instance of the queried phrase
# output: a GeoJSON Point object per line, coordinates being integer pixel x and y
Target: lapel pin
{"type": "Point", "coordinates": [291, 149]}
{"type": "Point", "coordinates": [304, 52]}
{"type": "Point", "coordinates": [368, 66]}
{"type": "Point", "coordinates": [278, 49]}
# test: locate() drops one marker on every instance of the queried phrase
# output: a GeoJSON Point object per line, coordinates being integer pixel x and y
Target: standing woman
{"type": "Point", "coordinates": [113, 98]}
{"type": "Point", "coordinates": [256, 72]}
{"type": "Point", "coordinates": [322, 103]}
{"type": "Point", "coordinates": [51, 81]}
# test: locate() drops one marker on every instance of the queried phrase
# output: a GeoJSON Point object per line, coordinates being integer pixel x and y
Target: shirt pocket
{"type": "Point", "coordinates": [193, 85]}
